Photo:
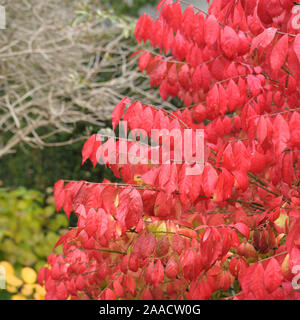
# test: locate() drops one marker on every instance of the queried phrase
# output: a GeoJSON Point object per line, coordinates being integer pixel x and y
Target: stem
{"type": "Point", "coordinates": [110, 283]}
{"type": "Point", "coordinates": [251, 175]}
{"type": "Point", "coordinates": [266, 189]}
{"type": "Point", "coordinates": [276, 255]}
{"type": "Point", "coordinates": [170, 232]}
{"type": "Point", "coordinates": [110, 251]}
{"type": "Point", "coordinates": [187, 3]}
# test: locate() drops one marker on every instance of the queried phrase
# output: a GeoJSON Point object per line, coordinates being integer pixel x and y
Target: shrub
{"type": "Point", "coordinates": [230, 230]}
{"type": "Point", "coordinates": [29, 227]}
{"type": "Point", "coordinates": [21, 287]}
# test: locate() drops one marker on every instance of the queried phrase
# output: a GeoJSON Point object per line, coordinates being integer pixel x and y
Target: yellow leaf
{"type": "Point", "coordinates": [18, 297]}
{"type": "Point", "coordinates": [281, 220]}
{"type": "Point", "coordinates": [40, 290]}
{"type": "Point", "coordinates": [13, 280]}
{"type": "Point", "coordinates": [38, 296]}
{"type": "Point", "coordinates": [27, 289]}
{"type": "Point", "coordinates": [9, 269]}
{"type": "Point", "coordinates": [11, 289]}
{"type": "Point", "coordinates": [117, 201]}
{"type": "Point", "coordinates": [28, 275]}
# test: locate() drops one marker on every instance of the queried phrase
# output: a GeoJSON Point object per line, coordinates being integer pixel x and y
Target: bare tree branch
{"type": "Point", "coordinates": [56, 73]}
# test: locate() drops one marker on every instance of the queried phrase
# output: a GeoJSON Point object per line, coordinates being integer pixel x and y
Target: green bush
{"type": "Point", "coordinates": [38, 168]}
{"type": "Point", "coordinates": [29, 227]}
{"type": "Point", "coordinates": [129, 7]}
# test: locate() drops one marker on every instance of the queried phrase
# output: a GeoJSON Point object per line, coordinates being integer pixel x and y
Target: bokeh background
{"type": "Point", "coordinates": [64, 65]}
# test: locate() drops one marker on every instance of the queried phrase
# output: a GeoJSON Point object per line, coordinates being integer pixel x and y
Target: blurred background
{"type": "Point", "coordinates": [64, 65]}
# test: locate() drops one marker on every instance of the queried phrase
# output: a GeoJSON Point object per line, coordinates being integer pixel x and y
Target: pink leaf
{"type": "Point", "coordinates": [243, 229]}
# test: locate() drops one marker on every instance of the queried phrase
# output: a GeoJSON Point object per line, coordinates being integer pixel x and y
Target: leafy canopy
{"type": "Point", "coordinates": [230, 232]}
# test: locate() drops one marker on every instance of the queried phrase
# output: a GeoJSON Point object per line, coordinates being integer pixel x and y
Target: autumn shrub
{"type": "Point", "coordinates": [230, 230]}
{"type": "Point", "coordinates": [29, 227]}
{"type": "Point", "coordinates": [21, 285]}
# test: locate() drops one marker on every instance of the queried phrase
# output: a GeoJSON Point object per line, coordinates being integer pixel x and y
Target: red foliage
{"type": "Point", "coordinates": [232, 231]}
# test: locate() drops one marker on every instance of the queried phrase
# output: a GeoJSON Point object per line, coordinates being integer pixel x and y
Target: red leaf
{"type": "Point", "coordinates": [59, 194]}
{"type": "Point", "coordinates": [252, 281]}
{"type": "Point", "coordinates": [88, 148]}
{"type": "Point", "coordinates": [243, 229]}
{"type": "Point", "coordinates": [164, 175]}
{"type": "Point", "coordinates": [184, 76]}
{"type": "Point", "coordinates": [223, 100]}
{"type": "Point", "coordinates": [212, 98]}
{"type": "Point", "coordinates": [118, 288]}
{"type": "Point", "coordinates": [197, 78]}
{"type": "Point", "coordinates": [293, 236]}
{"type": "Point", "coordinates": [188, 21]}
{"type": "Point", "coordinates": [229, 42]}
{"type": "Point", "coordinates": [171, 186]}
{"type": "Point", "coordinates": [158, 73]}
{"type": "Point", "coordinates": [118, 111]}
{"type": "Point", "coordinates": [254, 85]}
{"type": "Point", "coordinates": [199, 113]}
{"type": "Point", "coordinates": [158, 273]}
{"type": "Point", "coordinates": [162, 246]}
{"type": "Point", "coordinates": [144, 60]}
{"type": "Point", "coordinates": [228, 159]}
{"type": "Point", "coordinates": [205, 77]}
{"type": "Point", "coordinates": [135, 209]}
{"type": "Point", "coordinates": [149, 272]}
{"type": "Point", "coordinates": [172, 269]}
{"type": "Point", "coordinates": [147, 295]}
{"type": "Point", "coordinates": [281, 134]}
{"type": "Point", "coordinates": [272, 275]}
{"type": "Point", "coordinates": [122, 209]}
{"type": "Point", "coordinates": [287, 168]}
{"type": "Point", "coordinates": [279, 53]}
{"type": "Point", "coordinates": [147, 245]}
{"type": "Point", "coordinates": [297, 46]}
{"type": "Point", "coordinates": [80, 282]}
{"type": "Point", "coordinates": [209, 180]}
{"type": "Point", "coordinates": [61, 292]}
{"type": "Point", "coordinates": [178, 243]}
{"type": "Point", "coordinates": [184, 184]}
{"type": "Point", "coordinates": [212, 30]}
{"type": "Point", "coordinates": [262, 130]}
{"type": "Point", "coordinates": [130, 284]}
{"type": "Point", "coordinates": [224, 186]}
{"type": "Point", "coordinates": [162, 3]}
{"type": "Point", "coordinates": [172, 74]}
{"type": "Point", "coordinates": [109, 294]}
{"type": "Point", "coordinates": [103, 222]}
{"type": "Point", "coordinates": [150, 176]}
{"type": "Point", "coordinates": [143, 28]}
{"type": "Point", "coordinates": [264, 38]}
{"type": "Point", "coordinates": [135, 53]}
{"type": "Point", "coordinates": [148, 119]}
{"type": "Point", "coordinates": [64, 237]}
{"type": "Point", "coordinates": [176, 16]}
{"type": "Point", "coordinates": [199, 28]}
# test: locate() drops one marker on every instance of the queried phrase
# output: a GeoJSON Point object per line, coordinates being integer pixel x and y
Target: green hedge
{"type": "Point", "coordinates": [40, 168]}
{"type": "Point", "coordinates": [130, 7]}
{"type": "Point", "coordinates": [29, 227]}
